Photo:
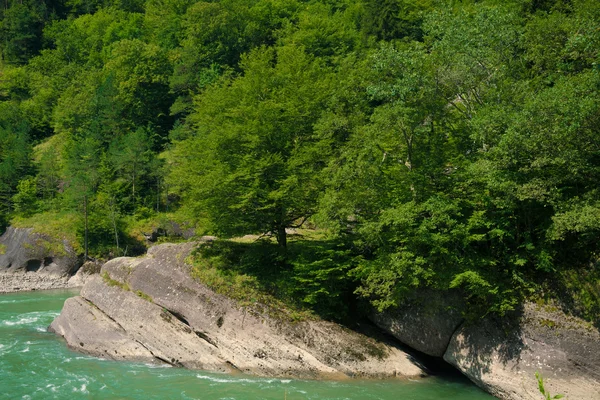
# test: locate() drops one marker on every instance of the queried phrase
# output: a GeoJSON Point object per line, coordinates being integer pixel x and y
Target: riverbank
{"type": "Point", "coordinates": [26, 348]}
{"type": "Point", "coordinates": [151, 309]}
{"type": "Point", "coordinates": [22, 281]}
{"type": "Point", "coordinates": [28, 281]}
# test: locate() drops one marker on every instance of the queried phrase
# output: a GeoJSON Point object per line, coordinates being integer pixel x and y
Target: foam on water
{"type": "Point", "coordinates": [241, 380]}
{"type": "Point", "coordinates": [6, 348]}
{"type": "Point", "coordinates": [29, 318]}
{"type": "Point", "coordinates": [21, 321]}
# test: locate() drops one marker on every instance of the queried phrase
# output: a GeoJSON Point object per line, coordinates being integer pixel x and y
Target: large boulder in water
{"type": "Point", "coordinates": [23, 250]}
{"type": "Point", "coordinates": [151, 309]}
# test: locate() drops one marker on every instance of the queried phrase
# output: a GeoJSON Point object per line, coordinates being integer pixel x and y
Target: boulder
{"type": "Point", "coordinates": [90, 331]}
{"type": "Point", "coordinates": [426, 322]}
{"type": "Point", "coordinates": [154, 302]}
{"type": "Point", "coordinates": [170, 229]}
{"type": "Point", "coordinates": [23, 250]}
{"type": "Point", "coordinates": [84, 273]}
{"type": "Point", "coordinates": [503, 355]}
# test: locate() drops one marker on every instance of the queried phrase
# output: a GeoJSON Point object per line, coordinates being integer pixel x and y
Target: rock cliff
{"type": "Point", "coordinates": [22, 250]}
{"type": "Point", "coordinates": [150, 309]}
{"type": "Point", "coordinates": [502, 355]}
{"type": "Point", "coordinates": [33, 261]}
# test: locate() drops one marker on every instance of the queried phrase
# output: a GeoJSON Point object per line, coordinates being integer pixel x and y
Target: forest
{"type": "Point", "coordinates": [375, 147]}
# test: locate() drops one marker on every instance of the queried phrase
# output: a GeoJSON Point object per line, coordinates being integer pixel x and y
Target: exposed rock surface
{"type": "Point", "coordinates": [22, 250]}
{"type": "Point", "coordinates": [150, 309]}
{"type": "Point", "coordinates": [426, 323]}
{"type": "Point", "coordinates": [503, 355]}
{"type": "Point", "coordinates": [24, 281]}
{"type": "Point", "coordinates": [84, 273]}
{"type": "Point", "coordinates": [170, 229]}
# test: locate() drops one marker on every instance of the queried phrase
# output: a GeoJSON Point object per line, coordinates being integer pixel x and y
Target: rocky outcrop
{"type": "Point", "coordinates": [33, 261]}
{"type": "Point", "coordinates": [24, 281]}
{"type": "Point", "coordinates": [502, 355]}
{"type": "Point", "coordinates": [87, 270]}
{"type": "Point", "coordinates": [425, 322]}
{"type": "Point", "coordinates": [169, 229]}
{"type": "Point", "coordinates": [22, 250]}
{"type": "Point", "coordinates": [150, 309]}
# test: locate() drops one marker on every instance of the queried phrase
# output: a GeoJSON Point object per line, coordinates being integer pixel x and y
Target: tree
{"type": "Point", "coordinates": [83, 157]}
{"type": "Point", "coordinates": [395, 19]}
{"type": "Point", "coordinates": [25, 200]}
{"type": "Point", "coordinates": [15, 155]}
{"type": "Point", "coordinates": [133, 162]}
{"type": "Point", "coordinates": [214, 36]}
{"type": "Point", "coordinates": [252, 164]}
{"type": "Point", "coordinates": [139, 74]}
{"type": "Point", "coordinates": [21, 30]}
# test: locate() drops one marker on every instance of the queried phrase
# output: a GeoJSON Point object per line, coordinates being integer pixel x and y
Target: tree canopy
{"type": "Point", "coordinates": [452, 145]}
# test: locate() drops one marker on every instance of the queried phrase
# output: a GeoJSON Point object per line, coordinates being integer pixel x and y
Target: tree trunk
{"type": "Point", "coordinates": [85, 241]}
{"type": "Point", "coordinates": [157, 194]}
{"type": "Point", "coordinates": [133, 187]}
{"type": "Point", "coordinates": [114, 223]}
{"type": "Point", "coordinates": [281, 237]}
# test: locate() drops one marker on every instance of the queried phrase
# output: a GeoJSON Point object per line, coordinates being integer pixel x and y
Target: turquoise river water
{"type": "Point", "coordinates": [35, 364]}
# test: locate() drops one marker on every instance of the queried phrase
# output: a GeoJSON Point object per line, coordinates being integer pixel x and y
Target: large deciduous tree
{"type": "Point", "coordinates": [252, 163]}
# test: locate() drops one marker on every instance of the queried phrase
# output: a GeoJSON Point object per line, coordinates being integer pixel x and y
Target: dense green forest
{"type": "Point", "coordinates": [427, 143]}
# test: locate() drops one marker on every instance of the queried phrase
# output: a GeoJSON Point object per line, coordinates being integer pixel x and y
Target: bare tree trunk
{"type": "Point", "coordinates": [85, 213]}
{"type": "Point", "coordinates": [133, 186]}
{"type": "Point", "coordinates": [157, 194]}
{"type": "Point", "coordinates": [166, 198]}
{"type": "Point", "coordinates": [114, 223]}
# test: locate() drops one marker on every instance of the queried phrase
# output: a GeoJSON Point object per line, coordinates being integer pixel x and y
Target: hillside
{"type": "Point", "coordinates": [444, 145]}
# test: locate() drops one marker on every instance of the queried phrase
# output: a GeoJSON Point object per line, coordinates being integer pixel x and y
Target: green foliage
{"type": "Point", "coordinates": [113, 282]}
{"type": "Point", "coordinates": [25, 200]}
{"type": "Point", "coordinates": [543, 390]}
{"type": "Point", "coordinates": [133, 163]}
{"type": "Point", "coordinates": [21, 24]}
{"type": "Point", "coordinates": [60, 225]}
{"type": "Point", "coordinates": [395, 19]}
{"type": "Point", "coordinates": [144, 296]}
{"type": "Point", "coordinates": [141, 72]}
{"type": "Point", "coordinates": [229, 271]}
{"type": "Point", "coordinates": [313, 277]}
{"type": "Point", "coordinates": [451, 145]}
{"type": "Point", "coordinates": [15, 153]}
{"type": "Point", "coordinates": [252, 167]}
{"type": "Point", "coordinates": [580, 291]}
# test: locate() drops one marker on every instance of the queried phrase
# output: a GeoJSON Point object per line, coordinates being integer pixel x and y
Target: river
{"type": "Point", "coordinates": [35, 364]}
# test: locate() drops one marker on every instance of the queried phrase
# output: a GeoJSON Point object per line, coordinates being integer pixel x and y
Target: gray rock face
{"type": "Point", "coordinates": [565, 350]}
{"type": "Point", "coordinates": [503, 355]}
{"type": "Point", "coordinates": [22, 250]}
{"type": "Point", "coordinates": [426, 323]}
{"type": "Point", "coordinates": [150, 308]}
{"type": "Point", "coordinates": [90, 331]}
{"type": "Point", "coordinates": [84, 273]}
